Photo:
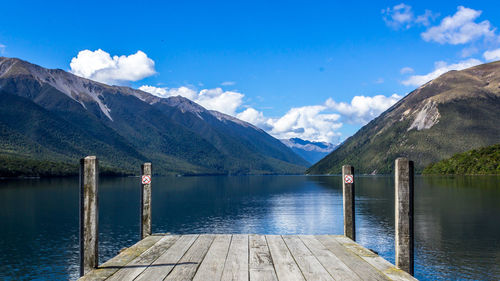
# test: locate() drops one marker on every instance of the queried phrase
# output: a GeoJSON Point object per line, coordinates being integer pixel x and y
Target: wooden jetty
{"type": "Point", "coordinates": [246, 256]}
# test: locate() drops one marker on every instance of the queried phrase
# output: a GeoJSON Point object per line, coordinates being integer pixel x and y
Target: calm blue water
{"type": "Point", "coordinates": [457, 230]}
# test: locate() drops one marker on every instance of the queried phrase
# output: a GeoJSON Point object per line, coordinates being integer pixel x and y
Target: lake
{"type": "Point", "coordinates": [457, 230]}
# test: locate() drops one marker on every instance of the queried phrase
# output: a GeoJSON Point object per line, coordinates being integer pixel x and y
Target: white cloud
{"type": "Point", "coordinates": [398, 16]}
{"type": "Point", "coordinates": [362, 109]}
{"type": "Point", "coordinates": [307, 122]}
{"type": "Point", "coordinates": [100, 66]}
{"type": "Point", "coordinates": [468, 51]}
{"type": "Point", "coordinates": [313, 122]}
{"type": "Point", "coordinates": [2, 48]}
{"type": "Point", "coordinates": [255, 117]}
{"type": "Point", "coordinates": [228, 83]}
{"type": "Point", "coordinates": [440, 68]}
{"type": "Point", "coordinates": [460, 28]}
{"type": "Point", "coordinates": [426, 17]}
{"type": "Point", "coordinates": [406, 70]}
{"type": "Point", "coordinates": [166, 92]}
{"type": "Point", "coordinates": [214, 99]}
{"type": "Point", "coordinates": [223, 101]}
{"type": "Point", "coordinates": [492, 55]}
{"type": "Point", "coordinates": [402, 16]}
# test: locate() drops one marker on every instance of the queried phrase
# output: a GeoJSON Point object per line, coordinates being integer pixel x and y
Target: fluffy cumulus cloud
{"type": "Point", "coordinates": [321, 122]}
{"type": "Point", "coordinates": [460, 28]}
{"type": "Point", "coordinates": [492, 55]}
{"type": "Point", "coordinates": [402, 16]}
{"type": "Point", "coordinates": [440, 68]}
{"type": "Point", "coordinates": [313, 122]}
{"type": "Point", "coordinates": [362, 109]}
{"type": "Point", "coordinates": [100, 66]}
{"type": "Point", "coordinates": [214, 99]}
{"type": "Point", "coordinates": [306, 122]}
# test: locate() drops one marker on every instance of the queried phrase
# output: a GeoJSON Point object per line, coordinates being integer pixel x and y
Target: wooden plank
{"type": "Point", "coordinates": [404, 194]}
{"type": "Point", "coordinates": [236, 265]}
{"type": "Point", "coordinates": [213, 264]}
{"type": "Point", "coordinates": [309, 265]}
{"type": "Point", "coordinates": [186, 268]}
{"type": "Point", "coordinates": [284, 264]}
{"type": "Point", "coordinates": [348, 195]}
{"type": "Point", "coordinates": [353, 261]}
{"type": "Point", "coordinates": [375, 260]}
{"type": "Point", "coordinates": [114, 264]}
{"type": "Point", "coordinates": [335, 266]}
{"type": "Point", "coordinates": [162, 266]}
{"type": "Point", "coordinates": [146, 201]}
{"type": "Point", "coordinates": [131, 270]}
{"type": "Point", "coordinates": [89, 214]}
{"type": "Point", "coordinates": [260, 261]}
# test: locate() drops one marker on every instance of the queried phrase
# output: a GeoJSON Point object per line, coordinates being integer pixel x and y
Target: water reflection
{"type": "Point", "coordinates": [456, 234]}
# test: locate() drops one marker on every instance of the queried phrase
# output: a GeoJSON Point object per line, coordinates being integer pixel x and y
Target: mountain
{"type": "Point", "coordinates": [453, 113]}
{"type": "Point", "coordinates": [53, 115]}
{"type": "Point", "coordinates": [309, 150]}
{"type": "Point", "coordinates": [481, 161]}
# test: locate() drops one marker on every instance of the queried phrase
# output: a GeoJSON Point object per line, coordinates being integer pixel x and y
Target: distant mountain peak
{"type": "Point", "coordinates": [312, 151]}
{"type": "Point", "coordinates": [56, 115]}
{"type": "Point", "coordinates": [455, 112]}
{"type": "Point", "coordinates": [309, 145]}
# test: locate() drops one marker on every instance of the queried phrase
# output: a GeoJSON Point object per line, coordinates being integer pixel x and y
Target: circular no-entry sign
{"type": "Point", "coordinates": [348, 179]}
{"type": "Point", "coordinates": [146, 179]}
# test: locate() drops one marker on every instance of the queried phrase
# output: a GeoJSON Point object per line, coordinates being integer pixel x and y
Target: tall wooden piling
{"type": "Point", "coordinates": [404, 214]}
{"type": "Point", "coordinates": [348, 198]}
{"type": "Point", "coordinates": [145, 200]}
{"type": "Point", "coordinates": [89, 214]}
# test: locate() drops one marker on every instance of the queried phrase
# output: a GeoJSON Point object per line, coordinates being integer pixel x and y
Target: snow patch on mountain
{"type": "Point", "coordinates": [309, 145]}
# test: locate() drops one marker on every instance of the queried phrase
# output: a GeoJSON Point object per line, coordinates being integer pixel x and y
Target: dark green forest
{"type": "Point", "coordinates": [482, 161]}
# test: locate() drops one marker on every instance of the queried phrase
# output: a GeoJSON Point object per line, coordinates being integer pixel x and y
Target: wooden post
{"type": "Point", "coordinates": [145, 200]}
{"type": "Point", "coordinates": [348, 195]}
{"type": "Point", "coordinates": [404, 214]}
{"type": "Point", "coordinates": [89, 214]}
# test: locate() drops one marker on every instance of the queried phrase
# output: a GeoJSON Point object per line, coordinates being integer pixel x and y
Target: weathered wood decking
{"type": "Point", "coordinates": [247, 257]}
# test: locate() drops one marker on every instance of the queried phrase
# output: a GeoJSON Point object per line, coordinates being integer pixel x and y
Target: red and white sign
{"type": "Point", "coordinates": [146, 179]}
{"type": "Point", "coordinates": [348, 179]}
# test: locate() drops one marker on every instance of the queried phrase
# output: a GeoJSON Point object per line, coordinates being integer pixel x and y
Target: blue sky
{"type": "Point", "coordinates": [312, 69]}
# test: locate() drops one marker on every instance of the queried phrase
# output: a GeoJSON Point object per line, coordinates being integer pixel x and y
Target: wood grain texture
{"type": "Point", "coordinates": [334, 265]}
{"type": "Point", "coordinates": [353, 261]}
{"type": "Point", "coordinates": [348, 197]}
{"type": "Point", "coordinates": [284, 264]}
{"type": "Point", "coordinates": [243, 257]}
{"type": "Point", "coordinates": [89, 214]}
{"type": "Point", "coordinates": [404, 190]}
{"type": "Point", "coordinates": [212, 266]}
{"type": "Point", "coordinates": [146, 170]}
{"type": "Point", "coordinates": [160, 268]}
{"type": "Point", "coordinates": [107, 269]}
{"type": "Point", "coordinates": [131, 270]}
{"type": "Point", "coordinates": [186, 268]}
{"type": "Point", "coordinates": [260, 262]}
{"type": "Point", "coordinates": [236, 264]}
{"type": "Point", "coordinates": [375, 260]}
{"type": "Point", "coordinates": [310, 266]}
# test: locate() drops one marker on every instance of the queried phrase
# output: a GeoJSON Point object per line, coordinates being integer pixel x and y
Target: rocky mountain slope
{"type": "Point", "coordinates": [311, 151]}
{"type": "Point", "coordinates": [456, 112]}
{"type": "Point", "coordinates": [53, 115]}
